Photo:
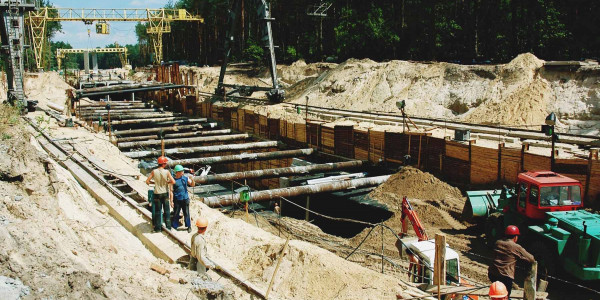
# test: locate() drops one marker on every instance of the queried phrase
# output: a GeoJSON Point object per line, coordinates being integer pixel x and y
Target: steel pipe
{"type": "Point", "coordinates": [204, 149]}
{"type": "Point", "coordinates": [278, 172]}
{"type": "Point", "coordinates": [151, 120]}
{"type": "Point", "coordinates": [121, 117]}
{"type": "Point", "coordinates": [217, 138]}
{"type": "Point", "coordinates": [175, 135]}
{"type": "Point", "coordinates": [257, 196]}
{"type": "Point", "coordinates": [86, 112]}
{"type": "Point", "coordinates": [174, 128]}
{"type": "Point", "coordinates": [241, 157]}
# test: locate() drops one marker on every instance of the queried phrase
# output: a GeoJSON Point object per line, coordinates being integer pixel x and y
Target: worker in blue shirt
{"type": "Point", "coordinates": [181, 197]}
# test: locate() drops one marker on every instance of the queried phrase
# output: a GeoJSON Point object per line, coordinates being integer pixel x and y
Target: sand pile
{"type": "Point", "coordinates": [46, 87]}
{"type": "Point", "coordinates": [416, 184]}
{"type": "Point", "coordinates": [306, 271]}
{"type": "Point", "coordinates": [59, 242]}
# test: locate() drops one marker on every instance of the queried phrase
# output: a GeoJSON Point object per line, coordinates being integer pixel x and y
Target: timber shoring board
{"type": "Point", "coordinates": [313, 134]}
{"type": "Point", "coordinates": [249, 120]}
{"type": "Point", "coordinates": [456, 170]}
{"type": "Point", "coordinates": [594, 184]}
{"type": "Point", "coordinates": [273, 128]}
{"type": "Point", "coordinates": [484, 165]}
{"type": "Point", "coordinates": [227, 116]}
{"type": "Point", "coordinates": [436, 148]}
{"type": "Point", "coordinates": [343, 140]}
{"type": "Point", "coordinates": [534, 162]}
{"type": "Point", "coordinates": [376, 145]}
{"type": "Point", "coordinates": [328, 139]}
{"type": "Point", "coordinates": [457, 150]}
{"type": "Point", "coordinates": [361, 144]}
{"type": "Point", "coordinates": [395, 146]}
{"type": "Point", "coordinates": [510, 161]}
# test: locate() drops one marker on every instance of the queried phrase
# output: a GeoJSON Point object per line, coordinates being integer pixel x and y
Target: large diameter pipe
{"type": "Point", "coordinates": [203, 149]}
{"type": "Point", "coordinates": [278, 172]}
{"type": "Point", "coordinates": [175, 135]}
{"type": "Point", "coordinates": [267, 195]}
{"type": "Point", "coordinates": [56, 107]}
{"type": "Point", "coordinates": [120, 117]}
{"type": "Point", "coordinates": [177, 121]}
{"type": "Point", "coordinates": [86, 113]}
{"type": "Point", "coordinates": [217, 138]}
{"type": "Point", "coordinates": [174, 128]}
{"type": "Point", "coordinates": [150, 120]}
{"type": "Point", "coordinates": [241, 157]}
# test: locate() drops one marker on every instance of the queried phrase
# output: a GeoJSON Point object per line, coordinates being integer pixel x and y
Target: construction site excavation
{"type": "Point", "coordinates": [194, 164]}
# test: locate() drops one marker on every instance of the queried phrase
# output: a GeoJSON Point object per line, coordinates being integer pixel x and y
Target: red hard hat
{"type": "Point", "coordinates": [512, 230]}
{"type": "Point", "coordinates": [498, 290]}
{"type": "Point", "coordinates": [162, 160]}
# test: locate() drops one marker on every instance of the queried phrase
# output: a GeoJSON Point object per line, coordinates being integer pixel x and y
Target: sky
{"type": "Point", "coordinates": [76, 33]}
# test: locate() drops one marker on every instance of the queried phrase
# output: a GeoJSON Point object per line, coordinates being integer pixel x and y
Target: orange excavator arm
{"type": "Point", "coordinates": [411, 214]}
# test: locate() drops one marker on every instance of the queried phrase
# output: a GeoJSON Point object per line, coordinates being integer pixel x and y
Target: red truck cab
{"type": "Point", "coordinates": [538, 192]}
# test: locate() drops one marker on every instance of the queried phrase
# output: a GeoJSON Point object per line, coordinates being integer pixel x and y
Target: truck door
{"type": "Point", "coordinates": [522, 201]}
{"type": "Point", "coordinates": [531, 209]}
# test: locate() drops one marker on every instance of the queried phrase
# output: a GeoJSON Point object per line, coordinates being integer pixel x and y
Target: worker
{"type": "Point", "coordinates": [198, 258]}
{"type": "Point", "coordinates": [506, 254]}
{"type": "Point", "coordinates": [498, 291]}
{"type": "Point", "coordinates": [161, 200]}
{"type": "Point", "coordinates": [181, 198]}
{"type": "Point", "coordinates": [277, 209]}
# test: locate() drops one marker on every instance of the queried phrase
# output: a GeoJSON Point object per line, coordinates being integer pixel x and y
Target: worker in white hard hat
{"type": "Point", "coordinates": [198, 253]}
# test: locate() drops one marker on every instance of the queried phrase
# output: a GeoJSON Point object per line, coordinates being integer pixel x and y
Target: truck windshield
{"type": "Point", "coordinates": [452, 270]}
{"type": "Point", "coordinates": [560, 195]}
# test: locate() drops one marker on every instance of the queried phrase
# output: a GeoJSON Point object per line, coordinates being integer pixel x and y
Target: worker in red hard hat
{"type": "Point", "coordinates": [498, 291]}
{"type": "Point", "coordinates": [506, 254]}
{"type": "Point", "coordinates": [161, 200]}
{"type": "Point", "coordinates": [198, 257]}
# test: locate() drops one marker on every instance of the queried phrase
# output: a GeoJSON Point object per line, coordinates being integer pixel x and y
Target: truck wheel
{"type": "Point", "coordinates": [545, 258]}
{"type": "Point", "coordinates": [493, 228]}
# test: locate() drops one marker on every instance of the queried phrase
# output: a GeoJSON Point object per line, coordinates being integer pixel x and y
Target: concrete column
{"type": "Point", "coordinates": [86, 62]}
{"type": "Point", "coordinates": [95, 62]}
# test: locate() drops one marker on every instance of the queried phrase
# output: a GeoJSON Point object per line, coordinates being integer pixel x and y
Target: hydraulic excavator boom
{"type": "Point", "coordinates": [411, 214]}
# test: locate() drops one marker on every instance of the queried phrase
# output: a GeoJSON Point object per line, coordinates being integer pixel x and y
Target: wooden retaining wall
{"type": "Point", "coordinates": [462, 164]}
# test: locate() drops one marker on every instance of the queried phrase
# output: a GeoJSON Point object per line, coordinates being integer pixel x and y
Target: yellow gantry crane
{"type": "Point", "coordinates": [61, 53]}
{"type": "Point", "coordinates": [159, 21]}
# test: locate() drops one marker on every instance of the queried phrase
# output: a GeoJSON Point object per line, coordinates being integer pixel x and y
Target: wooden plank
{"type": "Point", "coordinates": [273, 128]}
{"type": "Point", "coordinates": [439, 270]}
{"type": "Point", "coordinates": [361, 144]}
{"type": "Point", "coordinates": [327, 139]}
{"type": "Point", "coordinates": [484, 165]}
{"type": "Point", "coordinates": [376, 145]}
{"type": "Point", "coordinates": [534, 162]}
{"type": "Point", "coordinates": [457, 150]}
{"type": "Point", "coordinates": [343, 140]}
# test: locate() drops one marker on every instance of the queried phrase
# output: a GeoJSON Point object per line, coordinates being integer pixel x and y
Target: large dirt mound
{"type": "Point", "coordinates": [416, 184]}
{"type": "Point", "coordinates": [519, 93]}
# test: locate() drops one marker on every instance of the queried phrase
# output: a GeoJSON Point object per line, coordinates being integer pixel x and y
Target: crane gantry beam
{"type": "Point", "coordinates": [61, 52]}
{"type": "Point", "coordinates": [159, 21]}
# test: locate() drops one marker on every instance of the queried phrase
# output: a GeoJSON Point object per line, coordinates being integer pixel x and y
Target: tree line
{"type": "Point", "coordinates": [459, 31]}
{"type": "Point", "coordinates": [465, 31]}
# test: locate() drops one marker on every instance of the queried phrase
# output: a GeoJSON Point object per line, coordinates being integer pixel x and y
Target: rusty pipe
{"type": "Point", "coordinates": [278, 172]}
{"type": "Point", "coordinates": [266, 195]}
{"type": "Point", "coordinates": [241, 157]}
{"type": "Point", "coordinates": [174, 128]}
{"type": "Point", "coordinates": [174, 135]}
{"type": "Point", "coordinates": [217, 138]}
{"type": "Point", "coordinates": [203, 149]}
